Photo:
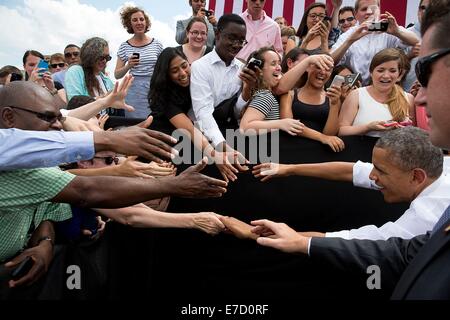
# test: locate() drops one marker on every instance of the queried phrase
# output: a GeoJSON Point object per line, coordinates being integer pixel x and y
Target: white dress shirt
{"type": "Point", "coordinates": [211, 83]}
{"type": "Point", "coordinates": [423, 213]}
{"type": "Point", "coordinates": [359, 55]}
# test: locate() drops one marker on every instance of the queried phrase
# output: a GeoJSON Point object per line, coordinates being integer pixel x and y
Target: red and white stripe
{"type": "Point", "coordinates": [405, 11]}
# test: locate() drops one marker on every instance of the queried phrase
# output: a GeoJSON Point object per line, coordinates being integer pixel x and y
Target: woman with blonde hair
{"type": "Point", "coordinates": [137, 55]}
{"type": "Point", "coordinates": [381, 106]}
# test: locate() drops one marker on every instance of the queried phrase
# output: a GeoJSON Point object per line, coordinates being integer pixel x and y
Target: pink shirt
{"type": "Point", "coordinates": [260, 33]}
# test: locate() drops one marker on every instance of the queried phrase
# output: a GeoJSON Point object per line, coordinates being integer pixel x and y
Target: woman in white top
{"type": "Point", "coordinates": [368, 110]}
{"type": "Point", "coordinates": [137, 55]}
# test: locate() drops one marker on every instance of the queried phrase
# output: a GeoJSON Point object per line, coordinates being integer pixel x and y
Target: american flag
{"type": "Point", "coordinates": [405, 11]}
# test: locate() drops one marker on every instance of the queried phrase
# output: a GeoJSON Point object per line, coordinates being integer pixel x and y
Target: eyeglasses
{"type": "Point", "coordinates": [236, 42]}
{"type": "Point", "coordinates": [423, 65]}
{"type": "Point", "coordinates": [197, 33]}
{"type": "Point", "coordinates": [105, 57]}
{"type": "Point", "coordinates": [71, 54]}
{"type": "Point", "coordinates": [423, 8]}
{"type": "Point", "coordinates": [56, 65]}
{"type": "Point", "coordinates": [109, 160]}
{"type": "Point", "coordinates": [315, 16]}
{"type": "Point", "coordinates": [349, 19]}
{"type": "Point", "coordinates": [50, 118]}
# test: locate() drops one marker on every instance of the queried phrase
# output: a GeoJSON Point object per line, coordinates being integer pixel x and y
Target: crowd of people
{"type": "Point", "coordinates": [338, 74]}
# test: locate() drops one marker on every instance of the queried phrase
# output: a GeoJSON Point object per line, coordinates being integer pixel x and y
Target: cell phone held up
{"type": "Point", "coordinates": [353, 79]}
{"type": "Point", "coordinates": [136, 55]}
{"type": "Point", "coordinates": [253, 63]}
{"type": "Point", "coordinates": [378, 26]}
{"type": "Point", "coordinates": [42, 67]}
{"type": "Point", "coordinates": [338, 81]}
{"type": "Point", "coordinates": [208, 13]}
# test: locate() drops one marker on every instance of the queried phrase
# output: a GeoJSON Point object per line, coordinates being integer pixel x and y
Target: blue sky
{"type": "Point", "coordinates": [48, 25]}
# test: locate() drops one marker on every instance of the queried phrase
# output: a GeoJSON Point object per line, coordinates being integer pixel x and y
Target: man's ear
{"type": "Point", "coordinates": [419, 175]}
{"type": "Point", "coordinates": [7, 117]}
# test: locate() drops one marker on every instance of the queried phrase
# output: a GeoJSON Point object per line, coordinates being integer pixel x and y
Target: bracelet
{"type": "Point", "coordinates": [46, 238]}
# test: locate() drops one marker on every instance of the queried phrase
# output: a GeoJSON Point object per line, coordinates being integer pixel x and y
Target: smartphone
{"type": "Point", "coordinates": [42, 65]}
{"type": "Point", "coordinates": [352, 79]}
{"type": "Point", "coordinates": [379, 26]}
{"type": "Point", "coordinates": [338, 81]}
{"type": "Point", "coordinates": [136, 55]}
{"type": "Point", "coordinates": [253, 63]}
{"type": "Point", "coordinates": [22, 269]}
{"type": "Point", "coordinates": [207, 12]}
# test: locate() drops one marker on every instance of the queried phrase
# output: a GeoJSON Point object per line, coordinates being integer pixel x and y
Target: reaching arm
{"type": "Point", "coordinates": [141, 216]}
{"type": "Point", "coordinates": [116, 192]}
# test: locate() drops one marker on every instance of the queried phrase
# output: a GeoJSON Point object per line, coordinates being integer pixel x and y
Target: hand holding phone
{"type": "Point", "coordinates": [338, 81]}
{"type": "Point", "coordinates": [378, 26]}
{"type": "Point", "coordinates": [353, 79]}
{"type": "Point", "coordinates": [208, 13]}
{"type": "Point", "coordinates": [253, 63]}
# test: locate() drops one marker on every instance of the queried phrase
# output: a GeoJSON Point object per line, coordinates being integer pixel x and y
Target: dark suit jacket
{"type": "Point", "coordinates": [417, 268]}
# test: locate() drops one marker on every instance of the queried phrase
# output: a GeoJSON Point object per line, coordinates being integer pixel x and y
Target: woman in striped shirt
{"type": "Point", "coordinates": [137, 55]}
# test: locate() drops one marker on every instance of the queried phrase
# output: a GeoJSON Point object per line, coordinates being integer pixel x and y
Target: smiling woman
{"type": "Point", "coordinates": [367, 110]}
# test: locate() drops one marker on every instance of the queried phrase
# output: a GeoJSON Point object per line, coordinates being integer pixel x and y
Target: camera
{"type": "Point", "coordinates": [353, 79]}
{"type": "Point", "coordinates": [253, 63]}
{"type": "Point", "coordinates": [379, 26]}
{"type": "Point", "coordinates": [208, 13]}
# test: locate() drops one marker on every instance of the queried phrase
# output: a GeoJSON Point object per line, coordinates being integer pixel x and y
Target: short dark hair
{"type": "Point", "coordinates": [79, 101]}
{"type": "Point", "coordinates": [293, 55]}
{"type": "Point", "coordinates": [6, 70]}
{"type": "Point", "coordinates": [71, 45]}
{"type": "Point", "coordinates": [226, 19]}
{"type": "Point", "coordinates": [345, 9]}
{"type": "Point", "coordinates": [438, 12]}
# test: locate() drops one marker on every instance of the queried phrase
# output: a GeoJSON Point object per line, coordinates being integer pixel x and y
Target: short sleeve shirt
{"type": "Point", "coordinates": [24, 196]}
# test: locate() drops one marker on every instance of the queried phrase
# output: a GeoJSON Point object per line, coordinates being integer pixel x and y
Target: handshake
{"type": "Point", "coordinates": [243, 230]}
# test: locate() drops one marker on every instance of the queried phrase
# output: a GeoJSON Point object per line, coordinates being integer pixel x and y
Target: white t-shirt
{"type": "Point", "coordinates": [421, 216]}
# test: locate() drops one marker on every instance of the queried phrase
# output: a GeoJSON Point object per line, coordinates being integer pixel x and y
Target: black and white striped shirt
{"type": "Point", "coordinates": [148, 55]}
{"type": "Point", "coordinates": [265, 102]}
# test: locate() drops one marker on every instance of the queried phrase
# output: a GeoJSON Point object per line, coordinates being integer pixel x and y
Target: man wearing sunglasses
{"type": "Point", "coordinates": [71, 57]}
{"type": "Point", "coordinates": [416, 268]}
{"type": "Point", "coordinates": [346, 18]}
{"type": "Point", "coordinates": [25, 194]}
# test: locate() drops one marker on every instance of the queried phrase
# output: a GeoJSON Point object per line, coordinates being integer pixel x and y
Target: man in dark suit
{"type": "Point", "coordinates": [416, 268]}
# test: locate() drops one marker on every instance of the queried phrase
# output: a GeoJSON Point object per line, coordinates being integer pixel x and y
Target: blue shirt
{"type": "Point", "coordinates": [38, 149]}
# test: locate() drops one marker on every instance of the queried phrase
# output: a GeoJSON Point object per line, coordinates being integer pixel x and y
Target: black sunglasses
{"type": "Point", "coordinates": [71, 54]}
{"type": "Point", "coordinates": [423, 66]}
{"type": "Point", "coordinates": [106, 57]}
{"type": "Point", "coordinates": [56, 65]}
{"type": "Point", "coordinates": [50, 118]}
{"type": "Point", "coordinates": [109, 160]}
{"type": "Point", "coordinates": [349, 19]}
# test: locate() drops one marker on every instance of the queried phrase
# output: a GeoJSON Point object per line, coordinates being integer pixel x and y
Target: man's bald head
{"type": "Point", "coordinates": [19, 95]}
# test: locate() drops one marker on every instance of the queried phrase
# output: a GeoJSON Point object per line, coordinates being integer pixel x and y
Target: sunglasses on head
{"type": "Point", "coordinates": [105, 57]}
{"type": "Point", "coordinates": [50, 118]}
{"type": "Point", "coordinates": [423, 65]}
{"type": "Point", "coordinates": [349, 19]}
{"type": "Point", "coordinates": [109, 160]}
{"type": "Point", "coordinates": [71, 54]}
{"type": "Point", "coordinates": [56, 65]}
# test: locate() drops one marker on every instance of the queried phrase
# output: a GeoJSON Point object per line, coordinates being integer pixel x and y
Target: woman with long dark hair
{"type": "Point", "coordinates": [171, 105]}
{"type": "Point", "coordinates": [88, 78]}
